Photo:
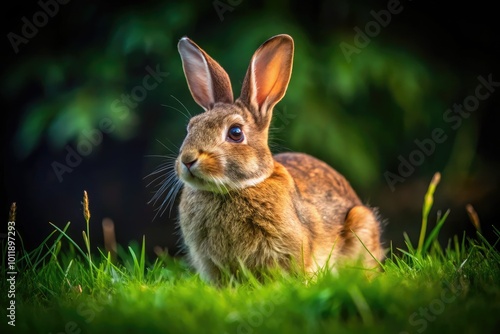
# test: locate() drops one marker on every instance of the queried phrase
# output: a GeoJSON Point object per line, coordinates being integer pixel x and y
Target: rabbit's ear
{"type": "Point", "coordinates": [267, 77]}
{"type": "Point", "coordinates": [207, 80]}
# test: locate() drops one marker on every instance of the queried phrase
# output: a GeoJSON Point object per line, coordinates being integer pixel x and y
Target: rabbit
{"type": "Point", "coordinates": [239, 204]}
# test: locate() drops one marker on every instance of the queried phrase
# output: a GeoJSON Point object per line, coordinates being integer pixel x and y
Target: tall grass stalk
{"type": "Point", "coordinates": [86, 235]}
{"type": "Point", "coordinates": [426, 208]}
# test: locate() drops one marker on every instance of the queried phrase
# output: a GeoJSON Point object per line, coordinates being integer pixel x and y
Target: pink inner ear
{"type": "Point", "coordinates": [201, 87]}
{"type": "Point", "coordinates": [197, 75]}
{"type": "Point", "coordinates": [207, 80]}
{"type": "Point", "coordinates": [267, 73]}
{"type": "Point", "coordinates": [271, 69]}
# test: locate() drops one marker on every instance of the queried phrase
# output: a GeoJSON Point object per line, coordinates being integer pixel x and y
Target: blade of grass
{"type": "Point", "coordinates": [109, 263]}
{"type": "Point", "coordinates": [408, 243]}
{"type": "Point", "coordinates": [364, 246]}
{"type": "Point", "coordinates": [73, 243]}
{"type": "Point", "coordinates": [142, 263]}
{"type": "Point", "coordinates": [415, 258]}
{"type": "Point", "coordinates": [435, 232]}
{"type": "Point", "coordinates": [38, 260]}
{"type": "Point", "coordinates": [361, 304]}
{"type": "Point", "coordinates": [428, 201]}
{"type": "Point", "coordinates": [138, 263]}
{"type": "Point", "coordinates": [490, 249]}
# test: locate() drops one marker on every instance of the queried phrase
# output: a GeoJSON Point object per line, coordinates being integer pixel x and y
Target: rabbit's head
{"type": "Point", "coordinates": [226, 147]}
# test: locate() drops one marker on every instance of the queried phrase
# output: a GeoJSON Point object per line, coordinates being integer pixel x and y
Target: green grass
{"type": "Point", "coordinates": [427, 288]}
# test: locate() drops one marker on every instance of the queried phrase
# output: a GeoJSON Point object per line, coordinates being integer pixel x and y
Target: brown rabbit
{"type": "Point", "coordinates": [239, 204]}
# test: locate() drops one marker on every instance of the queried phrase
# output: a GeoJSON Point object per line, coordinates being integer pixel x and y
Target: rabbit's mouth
{"type": "Point", "coordinates": [202, 174]}
{"type": "Point", "coordinates": [205, 183]}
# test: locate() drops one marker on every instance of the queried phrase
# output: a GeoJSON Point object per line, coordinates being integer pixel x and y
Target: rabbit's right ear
{"type": "Point", "coordinates": [267, 77]}
{"type": "Point", "coordinates": [207, 80]}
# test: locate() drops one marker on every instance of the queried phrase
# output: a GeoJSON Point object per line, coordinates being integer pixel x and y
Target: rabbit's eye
{"type": "Point", "coordinates": [235, 134]}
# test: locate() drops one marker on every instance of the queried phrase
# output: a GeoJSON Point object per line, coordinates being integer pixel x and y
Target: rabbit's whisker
{"type": "Point", "coordinates": [182, 104]}
{"type": "Point", "coordinates": [164, 181]}
{"type": "Point", "coordinates": [168, 156]}
{"type": "Point", "coordinates": [168, 201]}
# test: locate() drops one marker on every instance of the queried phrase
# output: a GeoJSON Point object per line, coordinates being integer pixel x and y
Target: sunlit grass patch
{"type": "Point", "coordinates": [62, 288]}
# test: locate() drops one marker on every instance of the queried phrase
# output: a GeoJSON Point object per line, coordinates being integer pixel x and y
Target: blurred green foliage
{"type": "Point", "coordinates": [354, 115]}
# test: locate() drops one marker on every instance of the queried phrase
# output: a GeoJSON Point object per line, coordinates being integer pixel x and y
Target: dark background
{"type": "Point", "coordinates": [358, 116]}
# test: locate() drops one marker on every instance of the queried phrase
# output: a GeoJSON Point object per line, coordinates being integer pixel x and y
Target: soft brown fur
{"type": "Point", "coordinates": [241, 205]}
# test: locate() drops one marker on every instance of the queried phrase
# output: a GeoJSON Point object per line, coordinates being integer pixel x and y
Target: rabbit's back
{"type": "Point", "coordinates": [324, 200]}
{"type": "Point", "coordinates": [317, 182]}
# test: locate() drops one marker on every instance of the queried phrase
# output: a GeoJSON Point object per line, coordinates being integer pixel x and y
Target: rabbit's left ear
{"type": "Point", "coordinates": [207, 80]}
{"type": "Point", "coordinates": [267, 77]}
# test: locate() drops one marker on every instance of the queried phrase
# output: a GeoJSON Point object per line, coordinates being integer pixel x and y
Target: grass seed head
{"type": "Point", "coordinates": [12, 214]}
{"type": "Point", "coordinates": [86, 211]}
{"type": "Point", "coordinates": [473, 216]}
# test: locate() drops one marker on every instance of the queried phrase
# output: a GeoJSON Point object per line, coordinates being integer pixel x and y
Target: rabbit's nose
{"type": "Point", "coordinates": [189, 164]}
